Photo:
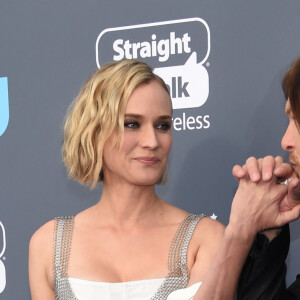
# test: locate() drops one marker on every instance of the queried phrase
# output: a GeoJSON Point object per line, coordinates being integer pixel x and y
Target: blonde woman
{"type": "Point", "coordinates": [131, 244]}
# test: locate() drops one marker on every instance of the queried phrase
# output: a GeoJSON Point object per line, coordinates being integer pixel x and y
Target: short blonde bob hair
{"type": "Point", "coordinates": [97, 113]}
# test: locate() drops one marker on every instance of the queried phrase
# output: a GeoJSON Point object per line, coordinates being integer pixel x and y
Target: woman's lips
{"type": "Point", "coordinates": [147, 160]}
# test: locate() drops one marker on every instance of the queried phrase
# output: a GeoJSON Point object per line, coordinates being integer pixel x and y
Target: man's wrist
{"type": "Point", "coordinates": [244, 236]}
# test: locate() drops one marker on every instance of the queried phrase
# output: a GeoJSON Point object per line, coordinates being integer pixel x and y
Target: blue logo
{"type": "Point", "coordinates": [4, 106]}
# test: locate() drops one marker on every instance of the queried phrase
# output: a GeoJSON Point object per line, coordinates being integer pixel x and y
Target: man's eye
{"type": "Point", "coordinates": [165, 126]}
{"type": "Point", "coordinates": [132, 125]}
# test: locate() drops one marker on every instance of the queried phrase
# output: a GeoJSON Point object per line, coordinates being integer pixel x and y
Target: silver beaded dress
{"type": "Point", "coordinates": [177, 278]}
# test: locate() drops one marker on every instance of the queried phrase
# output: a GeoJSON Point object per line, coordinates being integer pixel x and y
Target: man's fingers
{"type": "Point", "coordinates": [238, 172]}
{"type": "Point", "coordinates": [282, 170]}
{"type": "Point", "coordinates": [268, 165]}
{"type": "Point", "coordinates": [279, 160]}
{"type": "Point", "coordinates": [290, 215]}
{"type": "Point", "coordinates": [253, 169]}
{"type": "Point", "coordinates": [263, 168]}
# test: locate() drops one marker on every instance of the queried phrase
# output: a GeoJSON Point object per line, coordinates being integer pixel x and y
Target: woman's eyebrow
{"type": "Point", "coordinates": [165, 117]}
{"type": "Point", "coordinates": [133, 115]}
{"type": "Point", "coordinates": [137, 116]}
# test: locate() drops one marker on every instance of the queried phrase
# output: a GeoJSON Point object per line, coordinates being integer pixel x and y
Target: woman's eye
{"type": "Point", "coordinates": [163, 126]}
{"type": "Point", "coordinates": [132, 125]}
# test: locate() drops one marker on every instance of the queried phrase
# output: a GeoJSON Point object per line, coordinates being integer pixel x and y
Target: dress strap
{"type": "Point", "coordinates": [179, 247]}
{"type": "Point", "coordinates": [178, 276]}
{"type": "Point", "coordinates": [63, 231]}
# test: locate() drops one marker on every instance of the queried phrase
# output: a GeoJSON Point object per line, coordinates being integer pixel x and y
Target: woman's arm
{"type": "Point", "coordinates": [222, 277]}
{"type": "Point", "coordinates": [210, 234]}
{"type": "Point", "coordinates": [40, 263]}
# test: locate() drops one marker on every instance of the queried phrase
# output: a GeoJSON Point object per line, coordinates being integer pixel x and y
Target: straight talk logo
{"type": "Point", "coordinates": [2, 266]}
{"type": "Point", "coordinates": [178, 51]}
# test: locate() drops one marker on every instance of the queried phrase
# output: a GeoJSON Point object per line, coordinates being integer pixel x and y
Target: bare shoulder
{"type": "Point", "coordinates": [208, 234]}
{"type": "Point", "coordinates": [209, 227]}
{"type": "Point", "coordinates": [42, 237]}
{"type": "Point", "coordinates": [207, 231]}
{"type": "Point", "coordinates": [40, 258]}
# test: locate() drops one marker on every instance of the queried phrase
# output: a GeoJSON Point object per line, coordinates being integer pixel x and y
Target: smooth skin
{"type": "Point", "coordinates": [126, 236]}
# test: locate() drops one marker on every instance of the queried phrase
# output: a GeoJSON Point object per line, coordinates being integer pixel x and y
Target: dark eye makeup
{"type": "Point", "coordinates": [131, 124]}
{"type": "Point", "coordinates": [164, 126]}
{"type": "Point", "coordinates": [160, 125]}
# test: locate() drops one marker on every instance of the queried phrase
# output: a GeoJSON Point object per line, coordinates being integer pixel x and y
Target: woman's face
{"type": "Point", "coordinates": [142, 158]}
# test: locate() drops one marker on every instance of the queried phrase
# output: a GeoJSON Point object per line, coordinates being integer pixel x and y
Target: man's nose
{"type": "Point", "coordinates": [287, 142]}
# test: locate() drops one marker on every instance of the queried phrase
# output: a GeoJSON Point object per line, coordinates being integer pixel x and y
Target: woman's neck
{"type": "Point", "coordinates": [128, 205]}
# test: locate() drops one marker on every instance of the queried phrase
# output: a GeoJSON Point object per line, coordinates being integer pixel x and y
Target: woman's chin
{"type": "Point", "coordinates": [147, 181]}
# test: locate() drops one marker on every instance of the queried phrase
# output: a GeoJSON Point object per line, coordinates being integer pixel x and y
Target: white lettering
{"type": "Point", "coordinates": [118, 49]}
{"type": "Point", "coordinates": [162, 48]}
{"type": "Point", "coordinates": [206, 121]}
{"type": "Point", "coordinates": [199, 122]}
{"type": "Point", "coordinates": [135, 48]}
{"type": "Point", "coordinates": [175, 41]}
{"type": "Point", "coordinates": [190, 123]}
{"type": "Point", "coordinates": [127, 47]}
{"type": "Point", "coordinates": [154, 43]}
{"type": "Point", "coordinates": [145, 50]}
{"type": "Point", "coordinates": [186, 39]}
{"type": "Point", "coordinates": [177, 122]}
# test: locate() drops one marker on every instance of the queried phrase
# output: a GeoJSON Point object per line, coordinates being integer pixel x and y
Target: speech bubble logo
{"type": "Point", "coordinates": [2, 267]}
{"type": "Point", "coordinates": [4, 106]}
{"type": "Point", "coordinates": [160, 44]}
{"type": "Point", "coordinates": [188, 84]}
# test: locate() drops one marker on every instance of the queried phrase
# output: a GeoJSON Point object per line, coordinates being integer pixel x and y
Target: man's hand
{"type": "Point", "coordinates": [256, 207]}
{"type": "Point", "coordinates": [267, 167]}
{"type": "Point", "coordinates": [265, 170]}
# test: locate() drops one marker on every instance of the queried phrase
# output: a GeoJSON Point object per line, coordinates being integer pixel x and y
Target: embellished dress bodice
{"type": "Point", "coordinates": [152, 289]}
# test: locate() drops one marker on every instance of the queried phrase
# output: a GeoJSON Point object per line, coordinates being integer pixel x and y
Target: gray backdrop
{"type": "Point", "coordinates": [224, 65]}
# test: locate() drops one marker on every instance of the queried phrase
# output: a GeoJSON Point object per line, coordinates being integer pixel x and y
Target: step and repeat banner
{"type": "Point", "coordinates": [222, 61]}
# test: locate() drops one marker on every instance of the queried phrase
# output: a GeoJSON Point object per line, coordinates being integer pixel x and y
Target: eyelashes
{"type": "Point", "coordinates": [163, 125]}
{"type": "Point", "coordinates": [131, 124]}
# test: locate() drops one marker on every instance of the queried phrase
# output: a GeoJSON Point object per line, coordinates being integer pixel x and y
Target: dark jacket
{"type": "Point", "coordinates": [263, 275]}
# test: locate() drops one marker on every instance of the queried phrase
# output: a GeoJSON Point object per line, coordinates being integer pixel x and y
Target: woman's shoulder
{"type": "Point", "coordinates": [209, 229]}
{"type": "Point", "coordinates": [205, 226]}
{"type": "Point", "coordinates": [208, 234]}
{"type": "Point", "coordinates": [42, 237]}
{"type": "Point", "coordinates": [41, 253]}
{"type": "Point", "coordinates": [211, 224]}
{"type": "Point", "coordinates": [44, 234]}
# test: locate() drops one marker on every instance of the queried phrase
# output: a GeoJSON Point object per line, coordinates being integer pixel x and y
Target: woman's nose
{"type": "Point", "coordinates": [149, 138]}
